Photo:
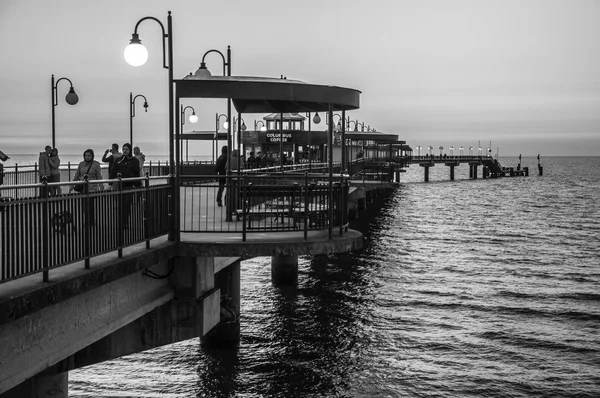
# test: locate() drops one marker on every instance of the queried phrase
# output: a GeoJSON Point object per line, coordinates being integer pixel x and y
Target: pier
{"type": "Point", "coordinates": [112, 271]}
{"type": "Point", "coordinates": [490, 167]}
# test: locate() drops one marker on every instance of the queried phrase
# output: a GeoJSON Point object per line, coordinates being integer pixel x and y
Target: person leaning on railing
{"type": "Point", "coordinates": [91, 168]}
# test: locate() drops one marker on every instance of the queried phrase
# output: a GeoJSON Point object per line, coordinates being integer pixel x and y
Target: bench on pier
{"type": "Point", "coordinates": [281, 207]}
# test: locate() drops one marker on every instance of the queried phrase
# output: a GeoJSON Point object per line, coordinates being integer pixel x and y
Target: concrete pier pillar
{"type": "Point", "coordinates": [541, 170]}
{"type": "Point", "coordinates": [227, 332]}
{"type": "Point", "coordinates": [484, 172]}
{"type": "Point", "coordinates": [474, 171]}
{"type": "Point", "coordinates": [284, 270]}
{"type": "Point", "coordinates": [526, 170]}
{"type": "Point", "coordinates": [470, 171]}
{"type": "Point", "coordinates": [426, 173]}
{"type": "Point", "coordinates": [41, 386]}
{"type": "Point", "coordinates": [451, 173]}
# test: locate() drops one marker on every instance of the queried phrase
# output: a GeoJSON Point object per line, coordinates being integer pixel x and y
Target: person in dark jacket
{"type": "Point", "coordinates": [221, 170]}
{"type": "Point", "coordinates": [127, 166]}
{"type": "Point", "coordinates": [113, 158]}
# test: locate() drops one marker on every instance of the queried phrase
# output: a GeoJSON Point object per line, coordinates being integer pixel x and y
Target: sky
{"type": "Point", "coordinates": [523, 74]}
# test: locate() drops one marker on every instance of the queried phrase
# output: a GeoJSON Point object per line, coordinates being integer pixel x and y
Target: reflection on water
{"type": "Point", "coordinates": [465, 288]}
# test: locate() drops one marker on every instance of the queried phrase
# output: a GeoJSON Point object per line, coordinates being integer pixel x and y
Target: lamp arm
{"type": "Point", "coordinates": [133, 103]}
{"type": "Point", "coordinates": [165, 36]}
{"type": "Point", "coordinates": [225, 63]}
{"type": "Point", "coordinates": [183, 113]}
{"type": "Point", "coordinates": [55, 89]}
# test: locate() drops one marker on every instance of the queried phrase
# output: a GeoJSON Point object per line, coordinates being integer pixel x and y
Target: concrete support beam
{"type": "Point", "coordinates": [284, 270]}
{"type": "Point", "coordinates": [451, 173]}
{"type": "Point", "coordinates": [31, 344]}
{"type": "Point", "coordinates": [41, 386]}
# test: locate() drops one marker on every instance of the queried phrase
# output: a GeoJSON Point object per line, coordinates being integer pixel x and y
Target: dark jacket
{"type": "Point", "coordinates": [128, 167]}
{"type": "Point", "coordinates": [221, 168]}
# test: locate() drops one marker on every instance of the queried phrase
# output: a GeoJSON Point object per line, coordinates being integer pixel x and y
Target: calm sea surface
{"type": "Point", "coordinates": [466, 288]}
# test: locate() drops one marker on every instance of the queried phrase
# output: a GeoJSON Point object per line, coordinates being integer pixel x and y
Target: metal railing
{"type": "Point", "coordinates": [264, 203]}
{"type": "Point", "coordinates": [44, 232]}
{"type": "Point", "coordinates": [28, 174]}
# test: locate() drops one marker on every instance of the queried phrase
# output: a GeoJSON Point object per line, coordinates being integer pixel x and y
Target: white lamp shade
{"type": "Point", "coordinates": [263, 128]}
{"type": "Point", "coordinates": [226, 125]}
{"type": "Point", "coordinates": [193, 118]}
{"type": "Point", "coordinates": [136, 54]}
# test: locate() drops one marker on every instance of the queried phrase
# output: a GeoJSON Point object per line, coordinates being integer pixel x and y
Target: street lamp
{"type": "Point", "coordinates": [132, 113]}
{"type": "Point", "coordinates": [461, 150]}
{"type": "Point", "coordinates": [419, 150]}
{"type": "Point", "coordinates": [355, 124]}
{"type": "Point", "coordinates": [338, 126]}
{"type": "Point", "coordinates": [203, 72]}
{"type": "Point", "coordinates": [480, 151]}
{"type": "Point", "coordinates": [470, 151]}
{"type": "Point", "coordinates": [451, 151]}
{"type": "Point", "coordinates": [72, 98]}
{"type": "Point", "coordinates": [441, 149]}
{"type": "Point", "coordinates": [430, 150]}
{"type": "Point", "coordinates": [316, 119]}
{"type": "Point", "coordinates": [262, 128]}
{"type": "Point", "coordinates": [193, 119]}
{"type": "Point", "coordinates": [217, 127]}
{"type": "Point", "coordinates": [136, 55]}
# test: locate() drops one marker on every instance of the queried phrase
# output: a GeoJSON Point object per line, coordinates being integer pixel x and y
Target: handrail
{"type": "Point", "coordinates": [43, 232]}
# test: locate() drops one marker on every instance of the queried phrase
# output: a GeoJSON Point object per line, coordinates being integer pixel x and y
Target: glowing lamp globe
{"type": "Point", "coordinates": [225, 125]}
{"type": "Point", "coordinates": [193, 118]}
{"type": "Point", "coordinates": [72, 98]}
{"type": "Point", "coordinates": [263, 128]}
{"type": "Point", "coordinates": [135, 53]}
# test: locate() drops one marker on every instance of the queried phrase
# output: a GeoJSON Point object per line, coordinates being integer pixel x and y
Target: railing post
{"type": "Point", "coordinates": [69, 167]}
{"type": "Point", "coordinates": [306, 204]}
{"type": "Point", "coordinates": [245, 205]}
{"type": "Point", "coordinates": [17, 179]}
{"type": "Point", "coordinates": [121, 237]}
{"type": "Point", "coordinates": [145, 201]}
{"type": "Point", "coordinates": [45, 230]}
{"type": "Point", "coordinates": [88, 220]}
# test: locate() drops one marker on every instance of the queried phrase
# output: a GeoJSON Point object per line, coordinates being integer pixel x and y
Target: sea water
{"type": "Point", "coordinates": [463, 288]}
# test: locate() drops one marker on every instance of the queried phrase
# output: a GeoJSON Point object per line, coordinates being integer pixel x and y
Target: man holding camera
{"type": "Point", "coordinates": [113, 158]}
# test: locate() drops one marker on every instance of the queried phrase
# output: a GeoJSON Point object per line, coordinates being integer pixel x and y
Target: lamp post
{"type": "Point", "coordinates": [470, 151]}
{"type": "Point", "coordinates": [461, 150]}
{"type": "Point", "coordinates": [262, 128]}
{"type": "Point", "coordinates": [419, 150]}
{"type": "Point", "coordinates": [441, 149]}
{"type": "Point", "coordinates": [452, 151]}
{"type": "Point", "coordinates": [132, 113]}
{"type": "Point", "coordinates": [193, 119]}
{"type": "Point", "coordinates": [430, 150]}
{"type": "Point", "coordinates": [480, 151]}
{"type": "Point", "coordinates": [136, 55]}
{"type": "Point", "coordinates": [72, 98]}
{"type": "Point", "coordinates": [217, 127]}
{"type": "Point", "coordinates": [205, 73]}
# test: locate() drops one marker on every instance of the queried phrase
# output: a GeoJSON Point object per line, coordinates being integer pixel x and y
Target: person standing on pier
{"type": "Point", "coordinates": [91, 168]}
{"type": "Point", "coordinates": [44, 164]}
{"type": "Point", "coordinates": [113, 158]}
{"type": "Point", "coordinates": [141, 159]}
{"type": "Point", "coordinates": [127, 167]}
{"type": "Point", "coordinates": [54, 162]}
{"type": "Point", "coordinates": [221, 169]}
